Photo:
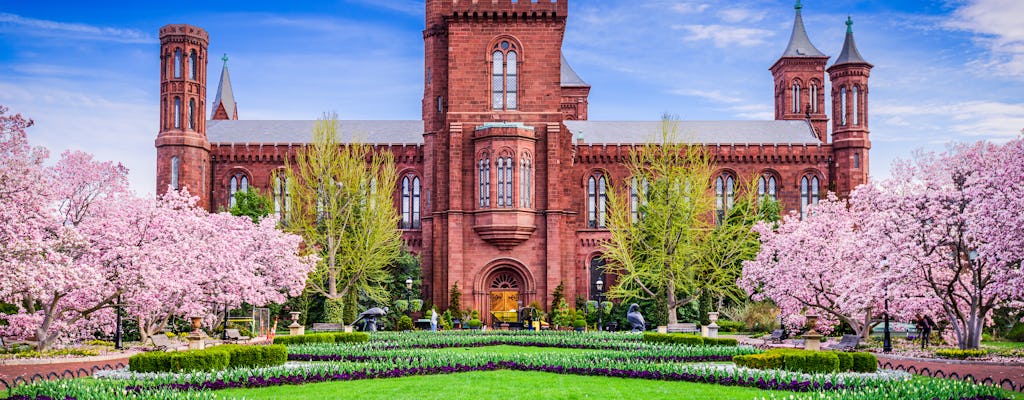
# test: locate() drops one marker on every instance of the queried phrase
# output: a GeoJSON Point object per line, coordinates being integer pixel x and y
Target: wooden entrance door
{"type": "Point", "coordinates": [505, 305]}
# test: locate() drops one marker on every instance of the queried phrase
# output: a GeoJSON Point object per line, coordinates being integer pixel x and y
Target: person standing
{"type": "Point", "coordinates": [433, 320]}
{"type": "Point", "coordinates": [928, 324]}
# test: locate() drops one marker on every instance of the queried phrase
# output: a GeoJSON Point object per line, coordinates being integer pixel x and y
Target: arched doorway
{"type": "Point", "coordinates": [504, 292]}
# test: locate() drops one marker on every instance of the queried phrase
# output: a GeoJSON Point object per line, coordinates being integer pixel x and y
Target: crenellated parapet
{"type": "Point", "coordinates": [504, 9]}
{"type": "Point", "coordinates": [723, 153]}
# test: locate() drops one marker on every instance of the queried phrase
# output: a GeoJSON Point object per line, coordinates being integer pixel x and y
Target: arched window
{"type": "Point", "coordinates": [525, 182]}
{"type": "Point", "coordinates": [808, 194]}
{"type": "Point", "coordinates": [504, 78]}
{"type": "Point", "coordinates": [177, 63]}
{"type": "Point", "coordinates": [856, 102]}
{"type": "Point", "coordinates": [177, 112]}
{"type": "Point", "coordinates": [485, 182]}
{"type": "Point", "coordinates": [282, 198]}
{"type": "Point", "coordinates": [635, 201]}
{"type": "Point", "coordinates": [856, 160]}
{"type": "Point", "coordinates": [725, 194]}
{"type": "Point", "coordinates": [193, 62]}
{"type": "Point", "coordinates": [842, 106]}
{"type": "Point", "coordinates": [174, 172]}
{"type": "Point", "coordinates": [192, 114]}
{"type": "Point", "coordinates": [597, 200]}
{"type": "Point", "coordinates": [411, 202]}
{"type": "Point", "coordinates": [239, 183]}
{"type": "Point", "coordinates": [505, 168]}
{"type": "Point", "coordinates": [796, 97]}
{"type": "Point", "coordinates": [766, 186]}
{"type": "Point", "coordinates": [814, 97]}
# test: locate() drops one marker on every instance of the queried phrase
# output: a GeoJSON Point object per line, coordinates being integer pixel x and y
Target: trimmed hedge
{"type": "Point", "coordinates": [688, 340]}
{"type": "Point", "coordinates": [336, 337]}
{"type": "Point", "coordinates": [960, 354]}
{"type": "Point", "coordinates": [212, 359]}
{"type": "Point", "coordinates": [809, 361]}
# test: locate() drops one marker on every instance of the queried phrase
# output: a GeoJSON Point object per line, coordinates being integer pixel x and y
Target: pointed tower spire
{"type": "Point", "coordinates": [799, 44]}
{"type": "Point", "coordinates": [850, 54]}
{"type": "Point", "coordinates": [224, 106]}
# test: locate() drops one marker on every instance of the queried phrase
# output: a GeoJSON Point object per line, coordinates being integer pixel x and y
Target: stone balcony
{"type": "Point", "coordinates": [504, 228]}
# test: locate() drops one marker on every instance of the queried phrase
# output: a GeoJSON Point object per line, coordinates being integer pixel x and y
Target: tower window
{"type": "Point", "coordinates": [192, 114]}
{"type": "Point", "coordinates": [856, 160]}
{"type": "Point", "coordinates": [177, 112]}
{"type": "Point", "coordinates": [440, 104]}
{"type": "Point", "coordinates": [177, 63]}
{"type": "Point", "coordinates": [814, 98]}
{"type": "Point", "coordinates": [505, 167]}
{"type": "Point", "coordinates": [597, 201]}
{"type": "Point", "coordinates": [174, 171]}
{"type": "Point", "coordinates": [808, 194]}
{"type": "Point", "coordinates": [635, 200]}
{"type": "Point", "coordinates": [725, 194]}
{"type": "Point", "coordinates": [193, 63]}
{"type": "Point", "coordinates": [485, 182]}
{"type": "Point", "coordinates": [410, 202]}
{"type": "Point", "coordinates": [842, 106]}
{"type": "Point", "coordinates": [796, 97]}
{"type": "Point", "coordinates": [856, 101]}
{"type": "Point", "coordinates": [525, 187]}
{"type": "Point", "coordinates": [164, 110]}
{"type": "Point", "coordinates": [282, 198]}
{"type": "Point", "coordinates": [504, 78]}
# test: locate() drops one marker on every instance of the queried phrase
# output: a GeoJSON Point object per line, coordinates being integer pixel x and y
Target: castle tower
{"type": "Point", "coordinates": [224, 106]}
{"type": "Point", "coordinates": [183, 152]}
{"type": "Point", "coordinates": [492, 112]}
{"type": "Point", "coordinates": [850, 133]}
{"type": "Point", "coordinates": [800, 80]}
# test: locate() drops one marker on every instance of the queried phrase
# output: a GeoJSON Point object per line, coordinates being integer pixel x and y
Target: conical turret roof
{"type": "Point", "coordinates": [850, 54]}
{"type": "Point", "coordinates": [225, 96]}
{"type": "Point", "coordinates": [569, 76]}
{"type": "Point", "coordinates": [799, 44]}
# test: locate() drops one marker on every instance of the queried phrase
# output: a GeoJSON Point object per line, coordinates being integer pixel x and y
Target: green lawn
{"type": "Point", "coordinates": [1003, 345]}
{"type": "Point", "coordinates": [499, 385]}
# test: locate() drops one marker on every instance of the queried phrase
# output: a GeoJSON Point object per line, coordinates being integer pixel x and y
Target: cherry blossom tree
{"type": "Point", "coordinates": [825, 264]}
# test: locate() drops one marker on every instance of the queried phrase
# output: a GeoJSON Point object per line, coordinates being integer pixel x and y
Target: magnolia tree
{"type": "Point", "coordinates": [826, 264]}
{"type": "Point", "coordinates": [954, 224]}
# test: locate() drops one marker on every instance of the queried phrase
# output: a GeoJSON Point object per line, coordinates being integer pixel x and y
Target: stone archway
{"type": "Point", "coordinates": [501, 289]}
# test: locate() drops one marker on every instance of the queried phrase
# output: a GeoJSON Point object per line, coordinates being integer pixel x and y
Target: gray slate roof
{"type": "Point", "coordinates": [799, 44]}
{"type": "Point", "coordinates": [569, 76]}
{"type": "Point", "coordinates": [248, 131]}
{"type": "Point", "coordinates": [708, 132]}
{"type": "Point", "coordinates": [850, 54]}
{"type": "Point", "coordinates": [225, 95]}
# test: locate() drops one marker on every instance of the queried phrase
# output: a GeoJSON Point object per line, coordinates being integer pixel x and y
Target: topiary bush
{"type": "Point", "coordinates": [845, 360]}
{"type": "Point", "coordinates": [474, 323]}
{"type": "Point", "coordinates": [404, 323]}
{"type": "Point", "coordinates": [674, 338]}
{"type": "Point", "coordinates": [864, 362]}
{"type": "Point", "coordinates": [759, 361]}
{"type": "Point", "coordinates": [809, 361]}
{"type": "Point", "coordinates": [720, 342]}
{"type": "Point", "coordinates": [725, 325]}
{"type": "Point", "coordinates": [960, 354]}
{"type": "Point", "coordinates": [212, 359]}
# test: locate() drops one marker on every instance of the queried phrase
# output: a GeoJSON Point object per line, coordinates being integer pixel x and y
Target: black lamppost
{"type": "Point", "coordinates": [118, 336]}
{"type": "Point", "coordinates": [600, 287]}
{"type": "Point", "coordinates": [408, 296]}
{"type": "Point", "coordinates": [224, 334]}
{"type": "Point", "coordinates": [886, 338]}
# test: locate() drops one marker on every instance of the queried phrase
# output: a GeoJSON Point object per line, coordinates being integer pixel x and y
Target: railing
{"type": "Point", "coordinates": [1006, 383]}
{"type": "Point", "coordinates": [69, 374]}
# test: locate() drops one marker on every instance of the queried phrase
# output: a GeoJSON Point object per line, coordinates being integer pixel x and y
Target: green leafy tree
{"type": "Point", "coordinates": [342, 207]}
{"type": "Point", "coordinates": [557, 296]}
{"type": "Point", "coordinates": [672, 247]}
{"type": "Point", "coordinates": [252, 204]}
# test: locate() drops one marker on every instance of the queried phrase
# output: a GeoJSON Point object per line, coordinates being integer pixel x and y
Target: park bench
{"type": "Point", "coordinates": [324, 327]}
{"type": "Point", "coordinates": [12, 344]}
{"type": "Point", "coordinates": [683, 328]}
{"type": "Point", "coordinates": [233, 335]}
{"type": "Point", "coordinates": [847, 343]}
{"type": "Point", "coordinates": [775, 337]}
{"type": "Point", "coordinates": [162, 342]}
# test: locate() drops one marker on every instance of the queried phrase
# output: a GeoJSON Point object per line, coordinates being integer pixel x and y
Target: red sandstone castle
{"type": "Point", "coordinates": [503, 182]}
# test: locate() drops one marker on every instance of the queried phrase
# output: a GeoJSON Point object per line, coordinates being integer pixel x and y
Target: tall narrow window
{"type": "Point", "coordinates": [856, 103]}
{"type": "Point", "coordinates": [796, 97]}
{"type": "Point", "coordinates": [164, 111]}
{"type": "Point", "coordinates": [501, 182]}
{"type": "Point", "coordinates": [192, 114]}
{"type": "Point", "coordinates": [771, 188]}
{"type": "Point", "coordinates": [525, 184]}
{"type": "Point", "coordinates": [177, 63]}
{"type": "Point", "coordinates": [842, 106]}
{"type": "Point", "coordinates": [485, 182]}
{"type": "Point", "coordinates": [725, 195]}
{"type": "Point", "coordinates": [239, 183]}
{"type": "Point", "coordinates": [504, 77]}
{"type": "Point", "coordinates": [406, 222]}
{"type": "Point", "coordinates": [636, 201]}
{"type": "Point", "coordinates": [177, 112]}
{"type": "Point", "coordinates": [415, 202]}
{"type": "Point", "coordinates": [856, 160]}
{"type": "Point", "coordinates": [174, 172]}
{"type": "Point", "coordinates": [814, 190]}
{"type": "Point", "coordinates": [814, 97]}
{"type": "Point", "coordinates": [597, 201]}
{"type": "Point", "coordinates": [280, 188]}
{"type": "Point", "coordinates": [804, 197]}
{"type": "Point", "coordinates": [193, 62]}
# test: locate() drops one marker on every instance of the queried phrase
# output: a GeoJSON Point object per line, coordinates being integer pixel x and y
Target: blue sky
{"type": "Point", "coordinates": [88, 73]}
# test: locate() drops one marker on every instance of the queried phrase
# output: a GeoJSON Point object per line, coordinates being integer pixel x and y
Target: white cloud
{"type": "Point", "coordinates": [998, 24]}
{"type": "Point", "coordinates": [725, 36]}
{"type": "Point", "coordinates": [972, 119]}
{"type": "Point", "coordinates": [734, 15]}
{"type": "Point", "coordinates": [690, 7]}
{"type": "Point", "coordinates": [713, 95]}
{"type": "Point", "coordinates": [18, 24]}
